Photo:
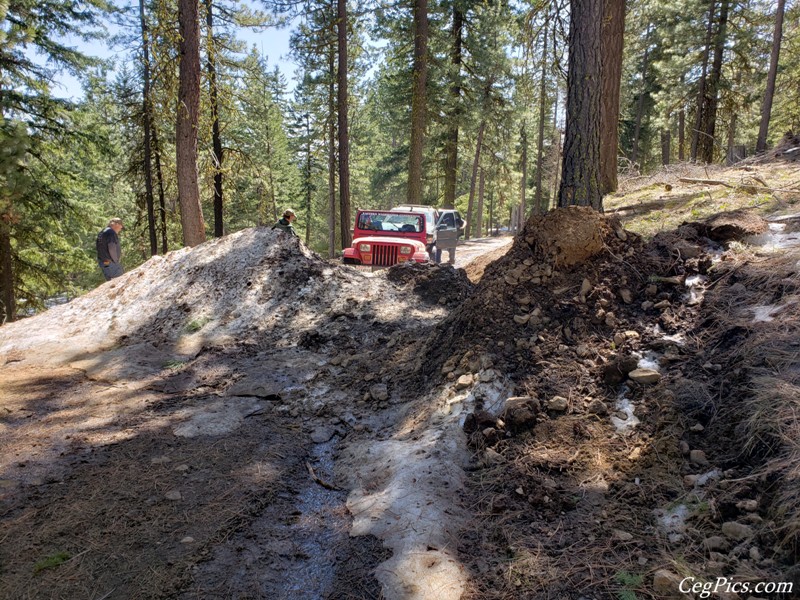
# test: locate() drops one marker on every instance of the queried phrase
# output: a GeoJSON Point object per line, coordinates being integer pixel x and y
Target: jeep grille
{"type": "Point", "coordinates": [384, 256]}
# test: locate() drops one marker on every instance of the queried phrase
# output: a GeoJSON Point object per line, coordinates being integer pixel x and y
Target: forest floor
{"type": "Point", "coordinates": [583, 413]}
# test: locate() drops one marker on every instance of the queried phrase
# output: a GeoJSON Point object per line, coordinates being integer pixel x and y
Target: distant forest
{"type": "Point", "coordinates": [498, 108]}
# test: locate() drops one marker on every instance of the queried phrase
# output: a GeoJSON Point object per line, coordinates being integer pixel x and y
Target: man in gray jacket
{"type": "Point", "coordinates": [108, 250]}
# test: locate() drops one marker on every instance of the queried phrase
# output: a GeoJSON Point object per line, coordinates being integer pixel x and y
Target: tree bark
{"type": "Point", "coordinates": [701, 86]}
{"type": "Point", "coordinates": [681, 134]}
{"type": "Point", "coordinates": [162, 202]}
{"type": "Point", "coordinates": [331, 158]}
{"type": "Point", "coordinates": [473, 181]}
{"type": "Point", "coordinates": [731, 154]}
{"type": "Point", "coordinates": [612, 38]}
{"type": "Point", "coordinates": [8, 311]}
{"type": "Point", "coordinates": [344, 142]}
{"type": "Point", "coordinates": [451, 143]}
{"type": "Point", "coordinates": [148, 112]}
{"type": "Point", "coordinates": [479, 215]}
{"type": "Point", "coordinates": [557, 144]}
{"type": "Point", "coordinates": [666, 143]}
{"type": "Point", "coordinates": [766, 106]}
{"type": "Point", "coordinates": [580, 179]}
{"type": "Point", "coordinates": [186, 129]}
{"type": "Point", "coordinates": [523, 159]}
{"type": "Point", "coordinates": [640, 102]}
{"type": "Point", "coordinates": [418, 101]}
{"type": "Point", "coordinates": [537, 202]}
{"type": "Point", "coordinates": [216, 140]}
{"type": "Point", "coordinates": [706, 151]}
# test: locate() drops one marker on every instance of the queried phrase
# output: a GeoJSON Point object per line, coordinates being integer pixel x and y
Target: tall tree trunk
{"type": "Point", "coordinates": [557, 144]}
{"type": "Point", "coordinates": [418, 101]}
{"type": "Point", "coordinates": [537, 202]}
{"type": "Point", "coordinates": [766, 106]}
{"type": "Point", "coordinates": [216, 140]}
{"type": "Point", "coordinates": [473, 181]}
{"type": "Point", "coordinates": [8, 310]}
{"type": "Point", "coordinates": [612, 37]}
{"type": "Point", "coordinates": [186, 129]}
{"type": "Point", "coordinates": [640, 103]}
{"type": "Point", "coordinates": [479, 214]}
{"type": "Point", "coordinates": [523, 160]}
{"type": "Point", "coordinates": [731, 154]}
{"type": "Point", "coordinates": [148, 111]}
{"type": "Point", "coordinates": [451, 142]}
{"type": "Point", "coordinates": [580, 180]}
{"type": "Point", "coordinates": [666, 143]}
{"type": "Point", "coordinates": [331, 155]}
{"type": "Point", "coordinates": [162, 201]}
{"type": "Point", "coordinates": [344, 142]}
{"type": "Point", "coordinates": [681, 134]}
{"type": "Point", "coordinates": [701, 85]}
{"type": "Point", "coordinates": [706, 150]}
{"type": "Point", "coordinates": [491, 210]}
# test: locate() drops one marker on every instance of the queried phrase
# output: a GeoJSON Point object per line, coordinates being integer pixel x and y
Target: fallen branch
{"type": "Point", "coordinates": [325, 484]}
{"type": "Point", "coordinates": [705, 181]}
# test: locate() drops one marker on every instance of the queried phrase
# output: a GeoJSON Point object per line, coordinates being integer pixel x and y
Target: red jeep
{"type": "Point", "coordinates": [383, 238]}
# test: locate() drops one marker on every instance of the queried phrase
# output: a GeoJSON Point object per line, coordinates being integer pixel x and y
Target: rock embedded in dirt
{"type": "Point", "coordinates": [597, 407]}
{"type": "Point", "coordinates": [737, 531]}
{"type": "Point", "coordinates": [464, 381]}
{"type": "Point", "coordinates": [567, 236]}
{"type": "Point", "coordinates": [716, 543]}
{"type": "Point", "coordinates": [520, 413]}
{"type": "Point", "coordinates": [173, 495]}
{"type": "Point", "coordinates": [379, 392]}
{"type": "Point", "coordinates": [698, 457]}
{"type": "Point", "coordinates": [622, 536]}
{"type": "Point", "coordinates": [322, 434]}
{"type": "Point", "coordinates": [747, 505]}
{"type": "Point", "coordinates": [557, 404]}
{"type": "Point", "coordinates": [626, 295]}
{"type": "Point", "coordinates": [645, 376]}
{"type": "Point", "coordinates": [666, 584]}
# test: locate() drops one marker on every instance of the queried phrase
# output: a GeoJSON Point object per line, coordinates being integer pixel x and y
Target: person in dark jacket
{"type": "Point", "coordinates": [108, 249]}
{"type": "Point", "coordinates": [285, 222]}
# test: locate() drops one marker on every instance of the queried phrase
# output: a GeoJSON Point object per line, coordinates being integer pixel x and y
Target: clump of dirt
{"type": "Point", "coordinates": [435, 284]}
{"type": "Point", "coordinates": [733, 225]}
{"type": "Point", "coordinates": [566, 237]}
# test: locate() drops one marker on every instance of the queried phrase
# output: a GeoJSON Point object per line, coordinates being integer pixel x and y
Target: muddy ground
{"type": "Point", "coordinates": [592, 418]}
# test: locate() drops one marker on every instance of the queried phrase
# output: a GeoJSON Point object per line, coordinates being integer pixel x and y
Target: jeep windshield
{"type": "Point", "coordinates": [375, 221]}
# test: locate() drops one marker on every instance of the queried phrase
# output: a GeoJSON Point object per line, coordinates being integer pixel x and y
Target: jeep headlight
{"type": "Point", "coordinates": [363, 247]}
{"type": "Point", "coordinates": [405, 250]}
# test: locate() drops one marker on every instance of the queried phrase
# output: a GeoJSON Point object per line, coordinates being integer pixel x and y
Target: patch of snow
{"type": "Point", "coordinates": [217, 417]}
{"type": "Point", "coordinates": [673, 520]}
{"type": "Point", "coordinates": [624, 405]}
{"type": "Point", "coordinates": [650, 360]}
{"type": "Point", "coordinates": [775, 238]}
{"type": "Point", "coordinates": [706, 477]}
{"type": "Point", "coordinates": [766, 313]}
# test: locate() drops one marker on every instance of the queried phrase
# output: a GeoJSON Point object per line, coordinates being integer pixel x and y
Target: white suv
{"type": "Point", "coordinates": [431, 219]}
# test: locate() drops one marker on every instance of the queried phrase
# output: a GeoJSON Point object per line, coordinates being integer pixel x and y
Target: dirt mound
{"type": "Point", "coordinates": [435, 284]}
{"type": "Point", "coordinates": [733, 225]}
{"type": "Point", "coordinates": [567, 237]}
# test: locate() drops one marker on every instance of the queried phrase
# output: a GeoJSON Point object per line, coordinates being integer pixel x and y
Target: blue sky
{"type": "Point", "coordinates": [272, 43]}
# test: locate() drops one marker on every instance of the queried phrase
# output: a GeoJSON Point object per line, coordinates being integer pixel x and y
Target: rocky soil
{"type": "Point", "coordinates": [588, 416]}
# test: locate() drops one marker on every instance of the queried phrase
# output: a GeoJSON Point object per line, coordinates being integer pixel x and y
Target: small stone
{"type": "Point", "coordinates": [619, 339]}
{"type": "Point", "coordinates": [689, 481]}
{"type": "Point", "coordinates": [622, 536]}
{"type": "Point", "coordinates": [697, 428]}
{"type": "Point", "coordinates": [465, 381]}
{"type": "Point", "coordinates": [586, 287]}
{"type": "Point", "coordinates": [663, 304]}
{"type": "Point", "coordinates": [493, 457]}
{"type": "Point", "coordinates": [549, 484]}
{"type": "Point", "coordinates": [666, 584]}
{"type": "Point", "coordinates": [755, 554]}
{"type": "Point", "coordinates": [558, 404]}
{"type": "Point", "coordinates": [182, 468]}
{"type": "Point", "coordinates": [737, 531]}
{"type": "Point", "coordinates": [626, 295]}
{"type": "Point", "coordinates": [160, 460]}
{"type": "Point", "coordinates": [487, 376]}
{"type": "Point", "coordinates": [322, 434]}
{"type": "Point", "coordinates": [651, 290]}
{"type": "Point", "coordinates": [632, 335]}
{"type": "Point", "coordinates": [521, 319]}
{"type": "Point", "coordinates": [611, 319]}
{"type": "Point", "coordinates": [642, 561]}
{"type": "Point", "coordinates": [173, 495]}
{"type": "Point", "coordinates": [379, 392]}
{"type": "Point", "coordinates": [645, 376]}
{"type": "Point", "coordinates": [716, 543]}
{"type": "Point", "coordinates": [647, 305]}
{"type": "Point", "coordinates": [684, 447]}
{"type": "Point", "coordinates": [583, 351]}
{"type": "Point", "coordinates": [187, 540]}
{"type": "Point", "coordinates": [747, 505]}
{"type": "Point", "coordinates": [698, 457]}
{"type": "Point", "coordinates": [597, 407]}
